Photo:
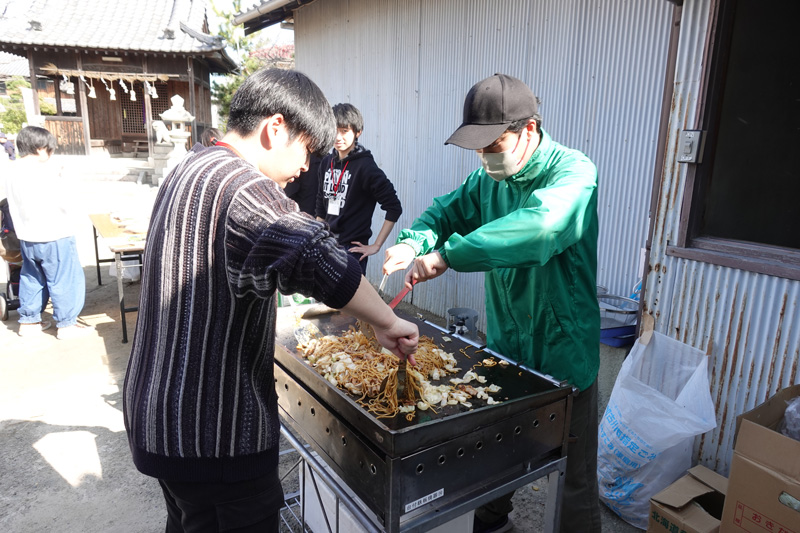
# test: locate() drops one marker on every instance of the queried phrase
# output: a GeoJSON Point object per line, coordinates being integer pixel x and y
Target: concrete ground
{"type": "Point", "coordinates": [64, 458]}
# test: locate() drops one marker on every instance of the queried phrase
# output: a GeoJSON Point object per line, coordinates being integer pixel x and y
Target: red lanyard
{"type": "Point", "coordinates": [336, 186]}
{"type": "Point", "coordinates": [229, 147]}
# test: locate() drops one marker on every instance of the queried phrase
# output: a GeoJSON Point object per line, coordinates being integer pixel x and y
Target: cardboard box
{"type": "Point", "coordinates": [693, 504]}
{"type": "Point", "coordinates": [764, 482]}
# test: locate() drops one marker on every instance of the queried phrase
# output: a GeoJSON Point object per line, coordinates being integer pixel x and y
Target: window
{"type": "Point", "coordinates": [742, 199]}
{"type": "Point", "coordinates": [133, 114]}
{"type": "Point", "coordinates": [162, 103]}
{"type": "Point", "coordinates": [67, 89]}
{"type": "Point", "coordinates": [133, 110]}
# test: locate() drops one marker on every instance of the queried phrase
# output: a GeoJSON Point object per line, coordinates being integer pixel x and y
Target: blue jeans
{"type": "Point", "coordinates": [51, 270]}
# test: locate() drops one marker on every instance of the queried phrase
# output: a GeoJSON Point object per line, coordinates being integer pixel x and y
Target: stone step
{"type": "Point", "coordinates": [110, 169]}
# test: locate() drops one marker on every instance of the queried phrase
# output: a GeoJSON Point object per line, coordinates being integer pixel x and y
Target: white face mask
{"type": "Point", "coordinates": [501, 165]}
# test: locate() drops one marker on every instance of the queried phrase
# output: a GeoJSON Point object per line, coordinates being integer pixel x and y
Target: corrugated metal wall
{"type": "Point", "coordinates": [748, 320]}
{"type": "Point", "coordinates": [598, 67]}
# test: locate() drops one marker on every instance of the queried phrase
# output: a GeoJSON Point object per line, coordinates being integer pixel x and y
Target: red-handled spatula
{"type": "Point", "coordinates": [402, 294]}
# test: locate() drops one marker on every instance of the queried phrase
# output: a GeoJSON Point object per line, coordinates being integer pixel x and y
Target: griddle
{"type": "Point", "coordinates": [438, 459]}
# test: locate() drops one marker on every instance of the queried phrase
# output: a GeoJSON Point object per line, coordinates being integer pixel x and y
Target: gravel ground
{"type": "Point", "coordinates": [65, 461]}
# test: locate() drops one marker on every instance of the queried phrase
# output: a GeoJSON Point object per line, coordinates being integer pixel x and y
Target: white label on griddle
{"type": "Point", "coordinates": [425, 499]}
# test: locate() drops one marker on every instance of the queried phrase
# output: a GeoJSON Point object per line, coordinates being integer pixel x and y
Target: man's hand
{"type": "Point", "coordinates": [398, 257]}
{"type": "Point", "coordinates": [401, 338]}
{"type": "Point", "coordinates": [426, 267]}
{"type": "Point", "coordinates": [395, 334]}
{"type": "Point", "coordinates": [365, 250]}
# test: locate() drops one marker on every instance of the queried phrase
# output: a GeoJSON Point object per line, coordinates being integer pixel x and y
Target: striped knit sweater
{"type": "Point", "coordinates": [199, 399]}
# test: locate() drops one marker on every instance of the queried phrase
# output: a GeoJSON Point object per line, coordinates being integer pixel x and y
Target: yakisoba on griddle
{"type": "Point", "coordinates": [354, 362]}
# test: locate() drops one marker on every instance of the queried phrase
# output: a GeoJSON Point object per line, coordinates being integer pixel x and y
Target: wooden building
{"type": "Point", "coordinates": [115, 65]}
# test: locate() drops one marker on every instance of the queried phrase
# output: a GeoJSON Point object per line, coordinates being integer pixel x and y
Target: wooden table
{"type": "Point", "coordinates": [124, 244]}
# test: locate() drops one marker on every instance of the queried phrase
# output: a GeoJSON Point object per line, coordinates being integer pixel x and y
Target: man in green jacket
{"type": "Point", "coordinates": [528, 219]}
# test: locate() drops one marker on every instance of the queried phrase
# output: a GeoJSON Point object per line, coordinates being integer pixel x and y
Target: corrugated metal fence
{"type": "Point", "coordinates": [598, 67]}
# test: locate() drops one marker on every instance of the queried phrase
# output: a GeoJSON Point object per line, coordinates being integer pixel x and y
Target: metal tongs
{"type": "Point", "coordinates": [402, 374]}
{"type": "Point", "coordinates": [402, 381]}
{"type": "Point", "coordinates": [383, 283]}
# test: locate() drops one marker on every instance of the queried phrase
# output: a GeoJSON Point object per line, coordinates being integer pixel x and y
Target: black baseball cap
{"type": "Point", "coordinates": [490, 107]}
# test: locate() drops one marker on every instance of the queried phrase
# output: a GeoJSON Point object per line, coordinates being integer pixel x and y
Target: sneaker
{"type": "Point", "coordinates": [35, 328]}
{"type": "Point", "coordinates": [501, 525]}
{"type": "Point", "coordinates": [76, 331]}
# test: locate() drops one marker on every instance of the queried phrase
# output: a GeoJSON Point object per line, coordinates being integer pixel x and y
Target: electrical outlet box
{"type": "Point", "coordinates": [690, 147]}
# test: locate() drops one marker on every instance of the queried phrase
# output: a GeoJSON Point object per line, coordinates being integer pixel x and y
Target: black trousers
{"type": "Point", "coordinates": [361, 262]}
{"type": "Point", "coordinates": [247, 506]}
{"type": "Point", "coordinates": [580, 507]}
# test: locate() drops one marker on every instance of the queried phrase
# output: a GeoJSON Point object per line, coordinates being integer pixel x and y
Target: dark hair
{"type": "Point", "coordinates": [518, 125]}
{"type": "Point", "coordinates": [210, 136]}
{"type": "Point", "coordinates": [271, 91]}
{"type": "Point", "coordinates": [33, 138]}
{"type": "Point", "coordinates": [348, 116]}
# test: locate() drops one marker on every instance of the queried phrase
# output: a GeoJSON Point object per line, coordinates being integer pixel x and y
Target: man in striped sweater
{"type": "Point", "coordinates": [199, 400]}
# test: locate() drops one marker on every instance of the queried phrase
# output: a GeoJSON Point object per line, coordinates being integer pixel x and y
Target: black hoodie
{"type": "Point", "coordinates": [361, 186]}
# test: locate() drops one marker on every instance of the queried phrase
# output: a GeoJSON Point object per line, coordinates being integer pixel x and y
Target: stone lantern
{"type": "Point", "coordinates": [177, 116]}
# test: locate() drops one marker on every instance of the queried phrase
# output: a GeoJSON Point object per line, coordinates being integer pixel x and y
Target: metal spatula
{"type": "Point", "coordinates": [402, 380]}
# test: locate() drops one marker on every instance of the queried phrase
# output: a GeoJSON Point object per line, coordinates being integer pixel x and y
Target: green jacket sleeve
{"type": "Point", "coordinates": [516, 231]}
{"type": "Point", "coordinates": [456, 212]}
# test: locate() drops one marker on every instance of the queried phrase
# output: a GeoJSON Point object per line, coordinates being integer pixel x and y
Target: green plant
{"type": "Point", "coordinates": [249, 51]}
{"type": "Point", "coordinates": [13, 118]}
{"type": "Point", "coordinates": [46, 108]}
{"type": "Point", "coordinates": [14, 115]}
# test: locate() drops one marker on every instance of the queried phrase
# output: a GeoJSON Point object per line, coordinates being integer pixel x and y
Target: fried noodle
{"type": "Point", "coordinates": [355, 362]}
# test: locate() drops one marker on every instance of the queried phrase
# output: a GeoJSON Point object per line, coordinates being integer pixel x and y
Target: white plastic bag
{"type": "Point", "coordinates": [790, 425]}
{"type": "Point", "coordinates": [660, 402]}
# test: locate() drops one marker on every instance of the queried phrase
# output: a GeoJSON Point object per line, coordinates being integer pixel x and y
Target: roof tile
{"type": "Point", "coordinates": [108, 24]}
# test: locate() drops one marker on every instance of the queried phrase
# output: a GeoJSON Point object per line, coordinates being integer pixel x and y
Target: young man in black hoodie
{"type": "Point", "coordinates": [350, 185]}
